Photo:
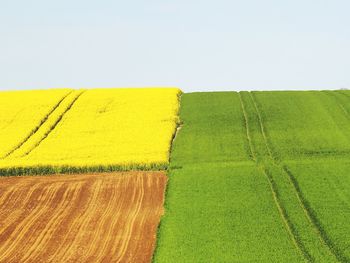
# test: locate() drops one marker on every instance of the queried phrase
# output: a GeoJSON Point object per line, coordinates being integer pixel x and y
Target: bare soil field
{"type": "Point", "coordinates": [80, 218]}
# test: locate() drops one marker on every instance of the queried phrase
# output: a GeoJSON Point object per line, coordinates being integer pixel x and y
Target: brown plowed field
{"type": "Point", "coordinates": [80, 218]}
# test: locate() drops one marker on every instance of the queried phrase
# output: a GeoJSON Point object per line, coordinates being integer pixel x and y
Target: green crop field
{"type": "Point", "coordinates": [259, 176]}
{"type": "Point", "coordinates": [245, 176]}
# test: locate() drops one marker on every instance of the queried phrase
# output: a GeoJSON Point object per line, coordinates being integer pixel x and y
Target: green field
{"type": "Point", "coordinates": [259, 176]}
{"type": "Point", "coordinates": [252, 176]}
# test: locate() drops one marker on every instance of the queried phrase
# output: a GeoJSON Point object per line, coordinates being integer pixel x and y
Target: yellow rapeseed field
{"type": "Point", "coordinates": [22, 112]}
{"type": "Point", "coordinates": [103, 128]}
{"type": "Point", "coordinates": [52, 120]}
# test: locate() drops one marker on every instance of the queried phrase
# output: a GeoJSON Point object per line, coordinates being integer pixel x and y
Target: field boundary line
{"type": "Point", "coordinates": [325, 241]}
{"type": "Point", "coordinates": [161, 215]}
{"type": "Point", "coordinates": [42, 121]}
{"type": "Point", "coordinates": [58, 120]}
{"type": "Point", "coordinates": [178, 126]}
{"type": "Point", "coordinates": [169, 168]}
{"type": "Point", "coordinates": [48, 169]}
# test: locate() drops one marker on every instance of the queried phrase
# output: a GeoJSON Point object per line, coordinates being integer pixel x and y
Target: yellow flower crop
{"type": "Point", "coordinates": [22, 112]}
{"type": "Point", "coordinates": [103, 128]}
{"type": "Point", "coordinates": [53, 119]}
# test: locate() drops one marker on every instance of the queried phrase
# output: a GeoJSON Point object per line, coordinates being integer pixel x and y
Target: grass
{"type": "Point", "coordinates": [325, 185]}
{"type": "Point", "coordinates": [245, 182]}
{"type": "Point", "coordinates": [211, 130]}
{"type": "Point", "coordinates": [317, 134]}
{"type": "Point", "coordinates": [222, 213]}
{"type": "Point", "coordinates": [308, 124]}
{"type": "Point", "coordinates": [219, 205]}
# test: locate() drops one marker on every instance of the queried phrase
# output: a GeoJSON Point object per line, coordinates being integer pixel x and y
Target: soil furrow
{"type": "Point", "coordinates": [82, 218]}
{"type": "Point", "coordinates": [69, 196]}
{"type": "Point", "coordinates": [130, 226]}
{"type": "Point", "coordinates": [18, 235]}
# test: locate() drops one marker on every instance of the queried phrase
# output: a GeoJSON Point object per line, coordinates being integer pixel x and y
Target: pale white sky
{"type": "Point", "coordinates": [194, 45]}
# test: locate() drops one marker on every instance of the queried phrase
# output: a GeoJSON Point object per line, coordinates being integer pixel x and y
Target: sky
{"type": "Point", "coordinates": [195, 45]}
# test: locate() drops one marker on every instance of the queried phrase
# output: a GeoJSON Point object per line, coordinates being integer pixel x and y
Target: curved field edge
{"type": "Point", "coordinates": [168, 171]}
{"type": "Point", "coordinates": [50, 169]}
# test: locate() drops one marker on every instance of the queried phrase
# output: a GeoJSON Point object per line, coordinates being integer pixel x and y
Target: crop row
{"type": "Point", "coordinates": [259, 176]}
